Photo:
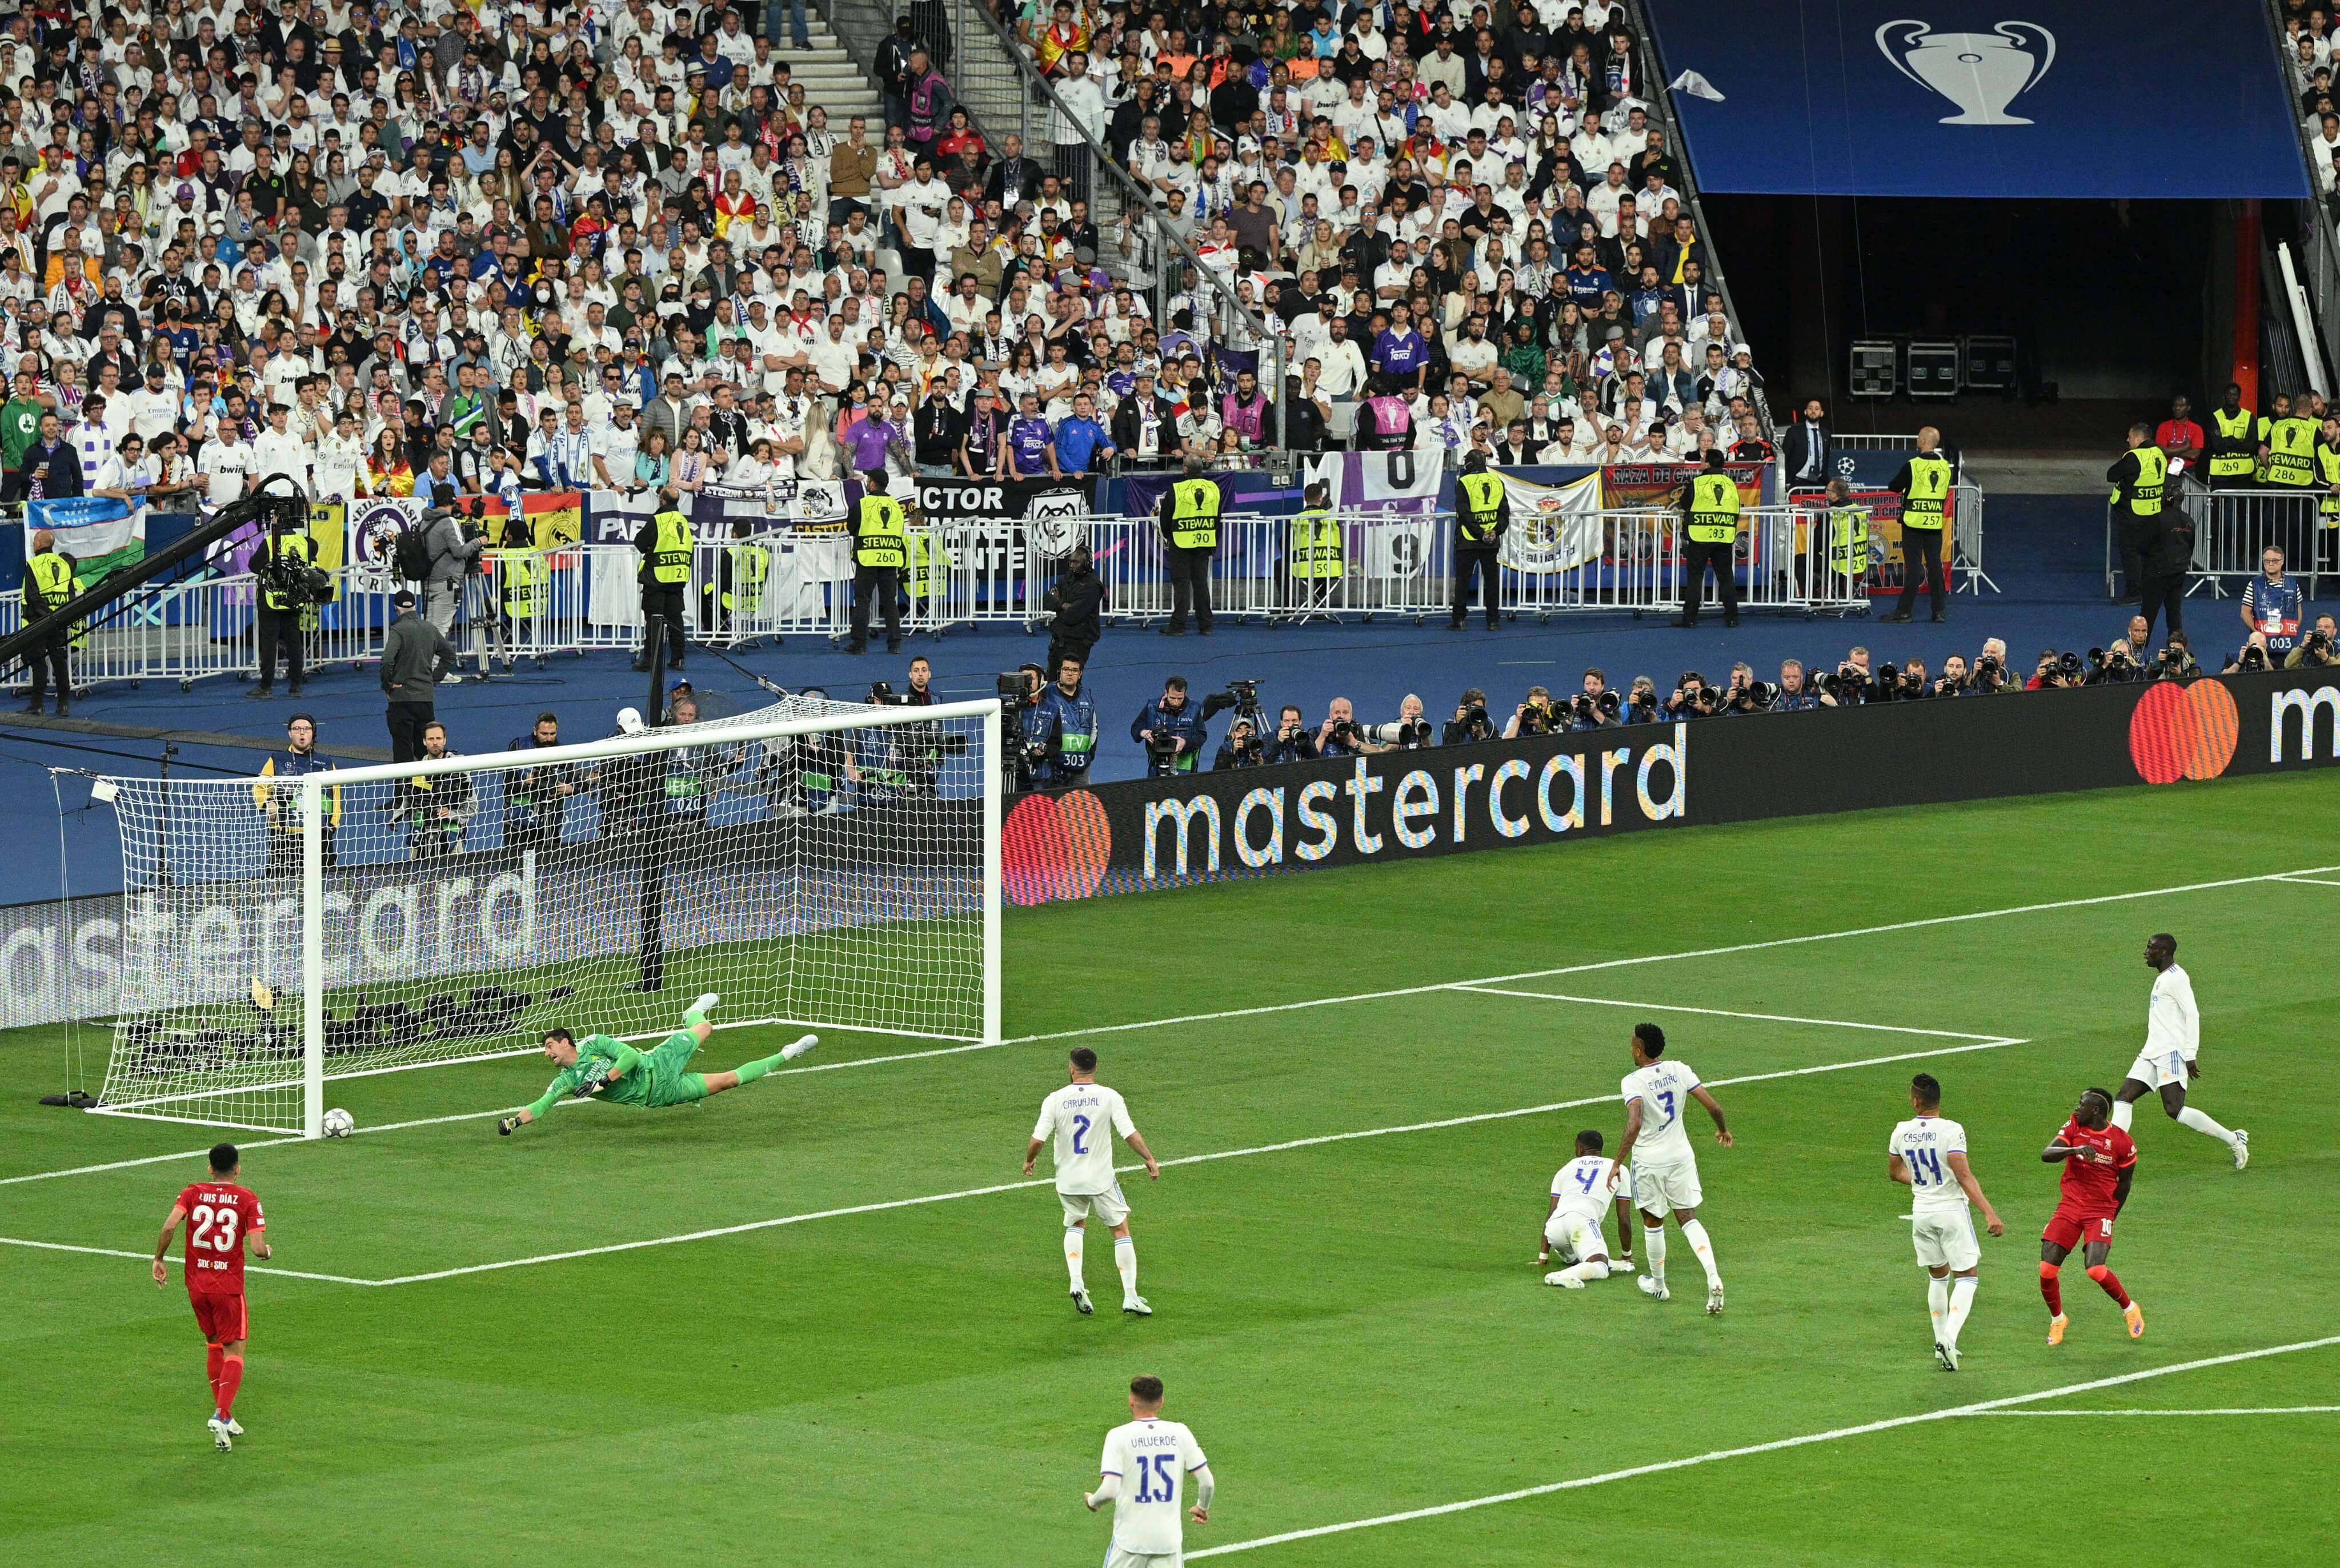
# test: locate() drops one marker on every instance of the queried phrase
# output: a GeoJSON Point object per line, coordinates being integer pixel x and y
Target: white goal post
{"type": "Point", "coordinates": [823, 864]}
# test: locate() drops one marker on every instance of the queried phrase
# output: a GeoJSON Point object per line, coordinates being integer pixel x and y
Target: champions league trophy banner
{"type": "Point", "coordinates": [1981, 73]}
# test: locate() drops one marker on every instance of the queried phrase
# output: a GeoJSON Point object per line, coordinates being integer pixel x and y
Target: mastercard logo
{"type": "Point", "coordinates": [1054, 846]}
{"type": "Point", "coordinates": [2182, 731]}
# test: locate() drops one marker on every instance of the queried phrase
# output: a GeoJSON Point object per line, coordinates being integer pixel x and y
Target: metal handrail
{"type": "Point", "coordinates": [2317, 242]}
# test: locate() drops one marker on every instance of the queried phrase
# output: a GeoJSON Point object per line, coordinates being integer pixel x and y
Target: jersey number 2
{"type": "Point", "coordinates": [214, 1228]}
{"type": "Point", "coordinates": [1080, 1131]}
{"type": "Point", "coordinates": [1157, 1482]}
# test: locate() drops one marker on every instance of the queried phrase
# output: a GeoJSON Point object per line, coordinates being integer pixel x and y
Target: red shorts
{"type": "Point", "coordinates": [221, 1317]}
{"type": "Point", "coordinates": [2070, 1228]}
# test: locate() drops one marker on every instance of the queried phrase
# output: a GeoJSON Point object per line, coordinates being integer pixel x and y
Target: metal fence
{"type": "Point", "coordinates": [2232, 532]}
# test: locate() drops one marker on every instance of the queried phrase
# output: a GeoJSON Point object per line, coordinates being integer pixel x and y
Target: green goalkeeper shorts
{"type": "Point", "coordinates": [667, 1080]}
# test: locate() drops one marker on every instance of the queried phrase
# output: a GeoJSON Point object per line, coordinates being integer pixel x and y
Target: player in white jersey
{"type": "Point", "coordinates": [1143, 1466]}
{"type": "Point", "coordinates": [1082, 1119]}
{"type": "Point", "coordinates": [2172, 1038]}
{"type": "Point", "coordinates": [1927, 1153]}
{"type": "Point", "coordinates": [1656, 1148]}
{"type": "Point", "coordinates": [1581, 1197]}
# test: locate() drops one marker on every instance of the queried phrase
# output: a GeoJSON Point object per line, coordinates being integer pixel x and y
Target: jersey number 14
{"type": "Point", "coordinates": [1925, 1167]}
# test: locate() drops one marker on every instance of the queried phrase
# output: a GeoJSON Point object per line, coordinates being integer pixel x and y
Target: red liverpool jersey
{"type": "Point", "coordinates": [2089, 1186]}
{"type": "Point", "coordinates": [220, 1214]}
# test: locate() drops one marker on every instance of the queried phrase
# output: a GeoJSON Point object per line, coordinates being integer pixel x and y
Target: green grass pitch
{"type": "Point", "coordinates": [1354, 1326]}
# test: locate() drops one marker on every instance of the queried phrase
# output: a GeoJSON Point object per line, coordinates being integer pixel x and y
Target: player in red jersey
{"type": "Point", "coordinates": [221, 1217]}
{"type": "Point", "coordinates": [2099, 1162]}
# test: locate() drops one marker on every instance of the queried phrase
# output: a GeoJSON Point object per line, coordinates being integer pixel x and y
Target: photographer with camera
{"type": "Point", "coordinates": [1794, 696]}
{"type": "Point", "coordinates": [1642, 705]}
{"type": "Point", "coordinates": [1745, 694]}
{"type": "Point", "coordinates": [2057, 672]}
{"type": "Point", "coordinates": [1989, 678]}
{"type": "Point", "coordinates": [1955, 681]}
{"type": "Point", "coordinates": [1241, 749]}
{"type": "Point", "coordinates": [1470, 722]}
{"type": "Point", "coordinates": [1291, 742]}
{"type": "Point", "coordinates": [1076, 606]}
{"type": "Point", "coordinates": [536, 798]}
{"type": "Point", "coordinates": [2319, 648]}
{"type": "Point", "coordinates": [1693, 697]}
{"type": "Point", "coordinates": [1411, 733]}
{"type": "Point", "coordinates": [1536, 716]}
{"type": "Point", "coordinates": [1341, 735]}
{"type": "Point", "coordinates": [285, 563]}
{"type": "Point", "coordinates": [1060, 731]}
{"type": "Point", "coordinates": [1171, 729]}
{"type": "Point", "coordinates": [2177, 661]}
{"type": "Point", "coordinates": [2251, 659]}
{"type": "Point", "coordinates": [455, 544]}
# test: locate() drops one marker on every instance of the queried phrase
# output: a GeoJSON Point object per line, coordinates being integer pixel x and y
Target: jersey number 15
{"type": "Point", "coordinates": [1156, 1481]}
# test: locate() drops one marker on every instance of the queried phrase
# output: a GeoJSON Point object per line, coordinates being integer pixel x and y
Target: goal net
{"type": "Point", "coordinates": [817, 863]}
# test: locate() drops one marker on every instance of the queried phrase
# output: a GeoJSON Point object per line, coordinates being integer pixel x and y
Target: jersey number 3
{"type": "Point", "coordinates": [214, 1228]}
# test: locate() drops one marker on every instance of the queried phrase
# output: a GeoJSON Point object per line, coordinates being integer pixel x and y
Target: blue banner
{"type": "Point", "coordinates": [1955, 98]}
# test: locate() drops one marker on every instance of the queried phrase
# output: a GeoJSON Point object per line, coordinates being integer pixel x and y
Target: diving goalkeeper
{"type": "Point", "coordinates": [614, 1071]}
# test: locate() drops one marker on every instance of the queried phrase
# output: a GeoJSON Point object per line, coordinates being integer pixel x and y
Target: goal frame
{"type": "Point", "coordinates": [313, 786]}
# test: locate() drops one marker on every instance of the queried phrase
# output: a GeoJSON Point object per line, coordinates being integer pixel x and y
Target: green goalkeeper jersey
{"type": "Point", "coordinates": [596, 1055]}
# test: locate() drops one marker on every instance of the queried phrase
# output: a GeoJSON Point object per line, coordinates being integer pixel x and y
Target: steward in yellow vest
{"type": "Point", "coordinates": [1709, 518]}
{"type": "Point", "coordinates": [665, 544]}
{"type": "Point", "coordinates": [48, 586]}
{"type": "Point", "coordinates": [2231, 457]}
{"type": "Point", "coordinates": [2328, 475]}
{"type": "Point", "coordinates": [880, 550]}
{"type": "Point", "coordinates": [1924, 483]}
{"type": "Point", "coordinates": [2288, 447]}
{"type": "Point", "coordinates": [1189, 516]}
{"type": "Point", "coordinates": [2139, 478]}
{"type": "Point", "coordinates": [1482, 513]}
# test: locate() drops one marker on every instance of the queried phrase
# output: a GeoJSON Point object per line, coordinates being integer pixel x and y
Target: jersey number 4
{"type": "Point", "coordinates": [214, 1228]}
{"type": "Point", "coordinates": [1584, 1179]}
{"type": "Point", "coordinates": [1156, 1481]}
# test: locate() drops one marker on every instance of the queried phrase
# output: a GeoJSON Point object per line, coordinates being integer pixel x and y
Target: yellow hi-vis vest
{"type": "Point", "coordinates": [2231, 456]}
{"type": "Point", "coordinates": [2144, 492]}
{"type": "Point", "coordinates": [52, 579]}
{"type": "Point", "coordinates": [523, 575]}
{"type": "Point", "coordinates": [751, 564]}
{"type": "Point", "coordinates": [1713, 508]}
{"type": "Point", "coordinates": [1477, 496]}
{"type": "Point", "coordinates": [929, 566]}
{"type": "Point", "coordinates": [878, 536]}
{"type": "Point", "coordinates": [1317, 548]}
{"type": "Point", "coordinates": [1194, 514]}
{"type": "Point", "coordinates": [670, 555]}
{"type": "Point", "coordinates": [2328, 465]}
{"type": "Point", "coordinates": [1848, 541]}
{"type": "Point", "coordinates": [1929, 484]}
{"type": "Point", "coordinates": [288, 547]}
{"type": "Point", "coordinates": [2291, 451]}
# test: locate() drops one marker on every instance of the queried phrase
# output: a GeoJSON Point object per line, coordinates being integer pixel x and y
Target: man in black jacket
{"type": "Point", "coordinates": [415, 656]}
{"type": "Point", "coordinates": [1145, 427]}
{"type": "Point", "coordinates": [1808, 449]}
{"type": "Point", "coordinates": [1014, 178]}
{"type": "Point", "coordinates": [1077, 602]}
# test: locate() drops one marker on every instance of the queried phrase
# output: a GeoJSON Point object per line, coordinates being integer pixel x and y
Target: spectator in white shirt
{"type": "Point", "coordinates": [279, 450]}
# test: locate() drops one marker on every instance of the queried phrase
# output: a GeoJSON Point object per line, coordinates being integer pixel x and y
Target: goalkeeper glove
{"type": "Point", "coordinates": [504, 1128]}
{"type": "Point", "coordinates": [588, 1089]}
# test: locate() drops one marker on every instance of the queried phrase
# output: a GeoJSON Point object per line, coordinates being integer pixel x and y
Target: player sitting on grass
{"type": "Point", "coordinates": [1571, 1226]}
{"type": "Point", "coordinates": [599, 1064]}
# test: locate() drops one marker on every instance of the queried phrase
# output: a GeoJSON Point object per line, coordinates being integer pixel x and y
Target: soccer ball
{"type": "Point", "coordinates": [340, 1124]}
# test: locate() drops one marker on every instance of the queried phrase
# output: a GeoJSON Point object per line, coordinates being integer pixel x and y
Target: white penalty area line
{"type": "Point", "coordinates": [2310, 881]}
{"type": "Point", "coordinates": [1092, 1031]}
{"type": "Point", "coordinates": [1725, 1013]}
{"type": "Point", "coordinates": [2262, 1410]}
{"type": "Point", "coordinates": [1985, 1407]}
{"type": "Point", "coordinates": [782, 1221]}
{"type": "Point", "coordinates": [149, 1257]}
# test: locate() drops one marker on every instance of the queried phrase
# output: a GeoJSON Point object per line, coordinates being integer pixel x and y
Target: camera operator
{"type": "Point", "coordinates": [1241, 749]}
{"type": "Point", "coordinates": [438, 808]}
{"type": "Point", "coordinates": [1641, 701]}
{"type": "Point", "coordinates": [2252, 658]}
{"type": "Point", "coordinates": [1411, 733]}
{"type": "Point", "coordinates": [1019, 699]}
{"type": "Point", "coordinates": [284, 562]}
{"type": "Point", "coordinates": [1341, 735]}
{"type": "Point", "coordinates": [2114, 666]}
{"type": "Point", "coordinates": [536, 798]}
{"type": "Point", "coordinates": [2057, 672]}
{"type": "Point", "coordinates": [1693, 697]}
{"type": "Point", "coordinates": [1989, 677]}
{"type": "Point", "coordinates": [2177, 661]}
{"type": "Point", "coordinates": [1745, 694]}
{"type": "Point", "coordinates": [1955, 681]}
{"type": "Point", "coordinates": [1794, 697]}
{"type": "Point", "coordinates": [2319, 648]}
{"type": "Point", "coordinates": [455, 544]}
{"type": "Point", "coordinates": [1170, 727]}
{"type": "Point", "coordinates": [1292, 742]}
{"type": "Point", "coordinates": [1596, 707]}
{"type": "Point", "coordinates": [1536, 716]}
{"type": "Point", "coordinates": [1075, 604]}
{"type": "Point", "coordinates": [1060, 731]}
{"type": "Point", "coordinates": [1470, 722]}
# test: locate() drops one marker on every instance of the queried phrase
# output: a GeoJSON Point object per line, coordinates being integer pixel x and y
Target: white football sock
{"type": "Point", "coordinates": [1962, 1292]}
{"type": "Point", "coordinates": [1653, 1252]}
{"type": "Point", "coordinates": [1695, 1234]}
{"type": "Point", "coordinates": [1125, 1258]}
{"type": "Point", "coordinates": [1938, 1305]}
{"type": "Point", "coordinates": [2190, 1117]}
{"type": "Point", "coordinates": [2122, 1111]}
{"type": "Point", "coordinates": [1072, 1254]}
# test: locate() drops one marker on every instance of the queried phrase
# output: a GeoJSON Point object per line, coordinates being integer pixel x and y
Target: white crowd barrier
{"type": "Point", "coordinates": [2232, 531]}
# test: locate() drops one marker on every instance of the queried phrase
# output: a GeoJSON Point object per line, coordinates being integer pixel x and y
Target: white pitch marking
{"type": "Point", "coordinates": [2267, 1410]}
{"type": "Point", "coordinates": [149, 1257]}
{"type": "Point", "coordinates": [2310, 881]}
{"type": "Point", "coordinates": [1985, 1407]}
{"type": "Point", "coordinates": [1724, 1013]}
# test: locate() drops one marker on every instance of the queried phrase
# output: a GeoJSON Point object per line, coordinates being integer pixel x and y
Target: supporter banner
{"type": "Point", "coordinates": [799, 503]}
{"type": "Point", "coordinates": [556, 518]}
{"type": "Point", "coordinates": [372, 550]}
{"type": "Point", "coordinates": [971, 500]}
{"type": "Point", "coordinates": [1554, 527]}
{"type": "Point", "coordinates": [1400, 481]}
{"type": "Point", "coordinates": [103, 536]}
{"type": "Point", "coordinates": [329, 525]}
{"type": "Point", "coordinates": [1398, 805]}
{"type": "Point", "coordinates": [1627, 485]}
{"type": "Point", "coordinates": [1958, 98]}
